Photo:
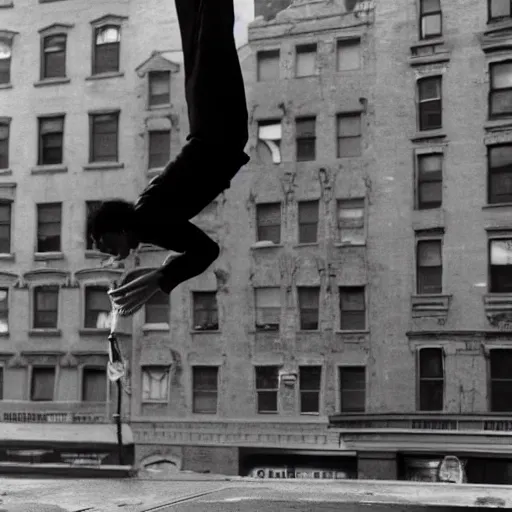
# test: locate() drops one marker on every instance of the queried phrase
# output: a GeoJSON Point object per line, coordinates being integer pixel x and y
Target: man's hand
{"type": "Point", "coordinates": [130, 297]}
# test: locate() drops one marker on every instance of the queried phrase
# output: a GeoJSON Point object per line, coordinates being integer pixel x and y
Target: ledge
{"type": "Point", "coordinates": [104, 76]}
{"type": "Point", "coordinates": [497, 36]}
{"type": "Point", "coordinates": [430, 306]}
{"type": "Point", "coordinates": [7, 5]}
{"type": "Point", "coordinates": [361, 331]}
{"type": "Point", "coordinates": [429, 52]}
{"type": "Point", "coordinates": [7, 257]}
{"type": "Point", "coordinates": [52, 81]}
{"type": "Point", "coordinates": [163, 327]}
{"type": "Point", "coordinates": [498, 125]}
{"type": "Point", "coordinates": [498, 309]}
{"type": "Point", "coordinates": [44, 332]}
{"type": "Point", "coordinates": [427, 135]}
{"type": "Point", "coordinates": [496, 205]}
{"type": "Point", "coordinates": [163, 106]}
{"type": "Point", "coordinates": [270, 245]}
{"type": "Point", "coordinates": [103, 166]}
{"type": "Point", "coordinates": [205, 331]}
{"type": "Point", "coordinates": [309, 244]}
{"type": "Point", "coordinates": [349, 244]}
{"type": "Point", "coordinates": [49, 169]}
{"type": "Point", "coordinates": [6, 172]}
{"type": "Point", "coordinates": [47, 256]}
{"type": "Point", "coordinates": [6, 86]}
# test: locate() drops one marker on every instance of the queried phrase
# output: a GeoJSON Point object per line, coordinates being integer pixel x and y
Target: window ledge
{"type": "Point", "coordinates": [205, 331]}
{"type": "Point", "coordinates": [5, 172]}
{"type": "Point", "coordinates": [310, 414]}
{"type": "Point", "coordinates": [160, 107]}
{"type": "Point", "coordinates": [429, 51]}
{"type": "Point", "coordinates": [349, 244]}
{"type": "Point", "coordinates": [497, 36]}
{"type": "Point", "coordinates": [498, 309]}
{"type": "Point", "coordinates": [361, 331]}
{"type": "Point", "coordinates": [308, 244]}
{"type": "Point", "coordinates": [103, 166]}
{"type": "Point", "coordinates": [52, 81]}
{"type": "Point", "coordinates": [7, 5]}
{"type": "Point", "coordinates": [163, 327]}
{"type": "Point", "coordinates": [309, 331]}
{"type": "Point", "coordinates": [7, 256]}
{"type": "Point", "coordinates": [265, 245]}
{"type": "Point", "coordinates": [160, 402]}
{"type": "Point", "coordinates": [496, 205]}
{"type": "Point", "coordinates": [498, 125]}
{"type": "Point", "coordinates": [259, 330]}
{"type": "Point", "coordinates": [44, 332]}
{"type": "Point", "coordinates": [103, 76]}
{"type": "Point", "coordinates": [91, 330]}
{"type": "Point", "coordinates": [6, 86]}
{"type": "Point", "coordinates": [46, 256]}
{"type": "Point", "coordinates": [428, 134]}
{"type": "Point", "coordinates": [434, 305]}
{"type": "Point", "coordinates": [49, 169]}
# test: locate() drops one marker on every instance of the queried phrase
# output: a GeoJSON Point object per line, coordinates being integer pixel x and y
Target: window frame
{"type": "Point", "coordinates": [340, 311]}
{"type": "Point", "coordinates": [266, 327]}
{"type": "Point", "coordinates": [429, 238]}
{"type": "Point", "coordinates": [310, 391]}
{"type": "Point", "coordinates": [194, 295]}
{"type": "Point", "coordinates": [338, 117]}
{"type": "Point", "coordinates": [6, 123]}
{"type": "Point", "coordinates": [300, 309]}
{"type": "Point", "coordinates": [9, 203]}
{"type": "Point", "coordinates": [420, 379]}
{"type": "Point", "coordinates": [419, 101]}
{"type": "Point", "coordinates": [37, 288]}
{"type": "Point", "coordinates": [196, 390]}
{"type": "Point", "coordinates": [492, 237]}
{"type": "Point", "coordinates": [116, 115]}
{"type": "Point", "coordinates": [44, 53]}
{"type": "Point", "coordinates": [423, 15]}
{"type": "Point", "coordinates": [302, 224]}
{"type": "Point", "coordinates": [151, 74]}
{"type": "Point", "coordinates": [88, 288]}
{"type": "Point", "coordinates": [493, 89]}
{"type": "Point", "coordinates": [83, 371]}
{"type": "Point", "coordinates": [148, 303]}
{"type": "Point", "coordinates": [38, 206]}
{"type": "Point", "coordinates": [41, 120]}
{"type": "Point", "coordinates": [490, 380]}
{"type": "Point", "coordinates": [258, 225]}
{"type": "Point", "coordinates": [418, 156]}
{"type": "Point", "coordinates": [8, 41]}
{"type": "Point", "coordinates": [306, 48]}
{"type": "Point", "coordinates": [276, 52]}
{"type": "Point", "coordinates": [352, 41]}
{"type": "Point", "coordinates": [339, 388]}
{"type": "Point", "coordinates": [31, 381]}
{"type": "Point", "coordinates": [167, 372]}
{"type": "Point", "coordinates": [267, 390]}
{"type": "Point", "coordinates": [490, 19]}
{"type": "Point", "coordinates": [310, 140]}
{"type": "Point", "coordinates": [490, 172]}
{"type": "Point", "coordinates": [339, 228]}
{"type": "Point", "coordinates": [150, 135]}
{"type": "Point", "coordinates": [96, 29]}
{"type": "Point", "coordinates": [7, 289]}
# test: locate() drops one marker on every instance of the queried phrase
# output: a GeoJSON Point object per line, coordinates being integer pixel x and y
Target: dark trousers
{"type": "Point", "coordinates": [214, 153]}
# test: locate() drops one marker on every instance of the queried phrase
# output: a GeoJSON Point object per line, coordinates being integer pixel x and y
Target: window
{"type": "Point", "coordinates": [429, 267]}
{"type": "Point", "coordinates": [46, 307]}
{"type": "Point", "coordinates": [430, 181]}
{"type": "Point", "coordinates": [268, 219]}
{"type": "Point", "coordinates": [499, 9]}
{"type": "Point", "coordinates": [500, 93]}
{"type": "Point", "coordinates": [430, 18]}
{"type": "Point", "coordinates": [97, 308]}
{"type": "Point", "coordinates": [5, 227]}
{"type": "Point", "coordinates": [4, 145]}
{"type": "Point", "coordinates": [305, 60]}
{"type": "Point", "coordinates": [51, 138]}
{"type": "Point", "coordinates": [499, 175]}
{"type": "Point", "coordinates": [157, 309]}
{"type": "Point", "coordinates": [90, 207]}
{"type": "Point", "coordinates": [352, 308]}
{"type": "Point", "coordinates": [159, 148]}
{"type": "Point", "coordinates": [42, 385]}
{"type": "Point", "coordinates": [430, 104]}
{"type": "Point", "coordinates": [268, 309]}
{"type": "Point", "coordinates": [309, 297]}
{"type": "Point", "coordinates": [104, 137]}
{"type": "Point", "coordinates": [1, 382]}
{"type": "Point", "coordinates": [431, 379]}
{"type": "Point", "coordinates": [54, 56]}
{"type": "Point", "coordinates": [310, 384]}
{"type": "Point", "coordinates": [500, 265]}
{"type": "Point", "coordinates": [352, 389]}
{"type": "Point", "coordinates": [206, 317]}
{"type": "Point", "coordinates": [267, 386]}
{"type": "Point", "coordinates": [159, 88]}
{"type": "Point", "coordinates": [155, 383]}
{"type": "Point", "coordinates": [269, 141]}
{"type": "Point", "coordinates": [5, 61]}
{"type": "Point", "coordinates": [94, 384]}
{"type": "Point", "coordinates": [308, 222]}
{"type": "Point", "coordinates": [268, 65]}
{"type": "Point", "coordinates": [205, 389]}
{"type": "Point", "coordinates": [107, 41]}
{"type": "Point", "coordinates": [49, 227]}
{"type": "Point", "coordinates": [501, 380]}
{"type": "Point", "coordinates": [305, 139]}
{"type": "Point", "coordinates": [351, 221]}
{"type": "Point", "coordinates": [349, 54]}
{"type": "Point", "coordinates": [349, 135]}
{"type": "Point", "coordinates": [4, 310]}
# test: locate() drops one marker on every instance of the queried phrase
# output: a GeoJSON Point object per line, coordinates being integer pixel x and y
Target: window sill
{"type": "Point", "coordinates": [265, 413]}
{"type": "Point", "coordinates": [103, 166]}
{"type": "Point", "coordinates": [104, 76]}
{"type": "Point", "coordinates": [428, 134]}
{"type": "Point", "coordinates": [160, 107]}
{"type": "Point", "coordinates": [52, 81]}
{"type": "Point", "coordinates": [44, 332]}
{"type": "Point", "coordinates": [49, 169]}
{"type": "Point", "coordinates": [205, 331]}
{"type": "Point", "coordinates": [429, 51]}
{"type": "Point", "coordinates": [265, 245]}
{"type": "Point", "coordinates": [265, 331]}
{"type": "Point", "coordinates": [7, 6]}
{"type": "Point", "coordinates": [157, 402]}
{"type": "Point", "coordinates": [6, 86]}
{"type": "Point", "coordinates": [309, 414]}
{"type": "Point", "coordinates": [498, 125]}
{"type": "Point", "coordinates": [47, 256]}
{"type": "Point", "coordinates": [431, 305]}
{"type": "Point", "coordinates": [7, 256]}
{"type": "Point", "coordinates": [163, 327]}
{"type": "Point", "coordinates": [92, 331]}
{"type": "Point", "coordinates": [349, 244]}
{"type": "Point", "coordinates": [496, 205]}
{"type": "Point", "coordinates": [309, 244]}
{"type": "Point", "coordinates": [308, 331]}
{"type": "Point", "coordinates": [6, 172]}
{"type": "Point", "coordinates": [498, 25]}
{"type": "Point", "coordinates": [362, 331]}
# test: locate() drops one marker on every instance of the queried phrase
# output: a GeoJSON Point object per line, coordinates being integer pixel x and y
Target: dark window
{"type": "Point", "coordinates": [430, 104]}
{"type": "Point", "coordinates": [90, 206]}
{"type": "Point", "coordinates": [499, 9]}
{"type": "Point", "coordinates": [104, 137]}
{"type": "Point", "coordinates": [309, 298]}
{"type": "Point", "coordinates": [310, 378]}
{"type": "Point", "coordinates": [268, 218]}
{"type": "Point", "coordinates": [49, 218]}
{"type": "Point", "coordinates": [352, 308]}
{"type": "Point", "coordinates": [429, 266]}
{"type": "Point", "coordinates": [352, 389]}
{"type": "Point", "coordinates": [4, 145]}
{"type": "Point", "coordinates": [431, 379]}
{"type": "Point", "coordinates": [46, 307]}
{"type": "Point", "coordinates": [106, 49]}
{"type": "Point", "coordinates": [159, 148]}
{"type": "Point", "coordinates": [54, 56]}
{"type": "Point", "coordinates": [308, 222]}
{"type": "Point", "coordinates": [1, 382]}
{"type": "Point", "coordinates": [500, 259]}
{"type": "Point", "coordinates": [51, 139]}
{"type": "Point", "coordinates": [205, 389]}
{"type": "Point", "coordinates": [4, 310]}
{"type": "Point", "coordinates": [97, 308]}
{"type": "Point", "coordinates": [43, 384]}
{"type": "Point", "coordinates": [206, 316]}
{"type": "Point", "coordinates": [501, 380]}
{"type": "Point", "coordinates": [305, 60]}
{"type": "Point", "coordinates": [499, 162]}
{"type": "Point", "coordinates": [500, 93]}
{"type": "Point", "coordinates": [157, 309]}
{"type": "Point", "coordinates": [5, 61]}
{"type": "Point", "coordinates": [430, 18]}
{"type": "Point", "coordinates": [268, 65]}
{"type": "Point", "coordinates": [430, 181]}
{"type": "Point", "coordinates": [305, 138]}
{"type": "Point", "coordinates": [159, 88]}
{"type": "Point", "coordinates": [268, 308]}
{"type": "Point", "coordinates": [5, 227]}
{"type": "Point", "coordinates": [349, 135]}
{"type": "Point", "coordinates": [267, 386]}
{"type": "Point", "coordinates": [94, 385]}
{"type": "Point", "coordinates": [348, 54]}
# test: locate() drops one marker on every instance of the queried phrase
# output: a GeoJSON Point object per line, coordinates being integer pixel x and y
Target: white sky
{"type": "Point", "coordinates": [244, 14]}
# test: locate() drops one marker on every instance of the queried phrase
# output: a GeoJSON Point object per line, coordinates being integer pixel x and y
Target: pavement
{"type": "Point", "coordinates": [208, 493]}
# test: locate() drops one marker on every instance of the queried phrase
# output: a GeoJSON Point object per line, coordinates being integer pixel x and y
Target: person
{"type": "Point", "coordinates": [211, 157]}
